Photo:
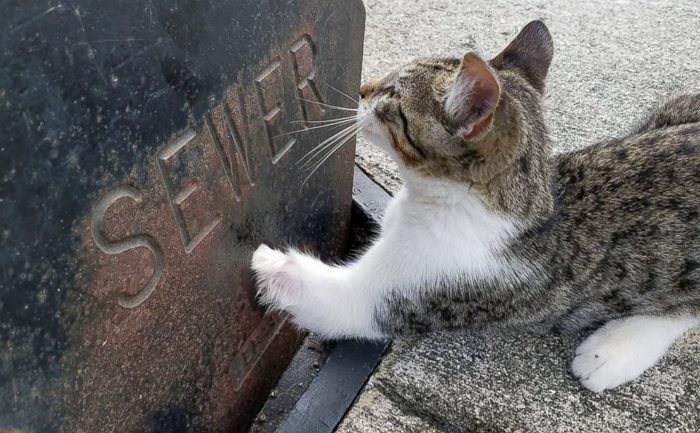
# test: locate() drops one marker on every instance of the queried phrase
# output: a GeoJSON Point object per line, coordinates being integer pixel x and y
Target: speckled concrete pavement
{"type": "Point", "coordinates": [614, 60]}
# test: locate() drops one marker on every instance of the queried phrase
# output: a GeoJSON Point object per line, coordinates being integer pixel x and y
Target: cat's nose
{"type": "Point", "coordinates": [367, 88]}
{"type": "Point", "coordinates": [364, 91]}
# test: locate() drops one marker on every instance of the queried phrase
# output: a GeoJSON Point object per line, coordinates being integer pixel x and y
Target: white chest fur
{"type": "Point", "coordinates": [440, 232]}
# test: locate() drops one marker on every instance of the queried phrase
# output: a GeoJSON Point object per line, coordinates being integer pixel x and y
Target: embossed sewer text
{"type": "Point", "coordinates": [227, 132]}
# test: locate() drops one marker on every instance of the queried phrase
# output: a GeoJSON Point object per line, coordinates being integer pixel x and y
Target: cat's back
{"type": "Point", "coordinates": [636, 196]}
{"type": "Point", "coordinates": [627, 232]}
{"type": "Point", "coordinates": [657, 167]}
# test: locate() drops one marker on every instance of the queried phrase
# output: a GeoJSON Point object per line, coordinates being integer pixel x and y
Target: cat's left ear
{"type": "Point", "coordinates": [472, 97]}
{"type": "Point", "coordinates": [530, 53]}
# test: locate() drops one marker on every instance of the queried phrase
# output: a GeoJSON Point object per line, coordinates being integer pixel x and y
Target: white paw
{"type": "Point", "coordinates": [278, 277]}
{"type": "Point", "coordinates": [617, 353]}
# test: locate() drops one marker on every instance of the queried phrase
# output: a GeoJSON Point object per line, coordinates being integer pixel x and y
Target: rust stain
{"type": "Point", "coordinates": [175, 349]}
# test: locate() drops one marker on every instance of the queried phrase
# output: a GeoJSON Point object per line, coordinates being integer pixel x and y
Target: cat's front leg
{"type": "Point", "coordinates": [328, 300]}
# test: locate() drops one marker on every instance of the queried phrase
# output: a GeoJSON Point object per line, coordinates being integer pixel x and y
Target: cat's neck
{"type": "Point", "coordinates": [523, 201]}
{"type": "Point", "coordinates": [437, 191]}
{"type": "Point", "coordinates": [454, 216]}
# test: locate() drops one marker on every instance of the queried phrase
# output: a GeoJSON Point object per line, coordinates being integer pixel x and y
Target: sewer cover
{"type": "Point", "coordinates": [145, 152]}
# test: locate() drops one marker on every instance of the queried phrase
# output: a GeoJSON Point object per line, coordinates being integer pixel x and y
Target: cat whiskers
{"type": "Point", "coordinates": [325, 144]}
{"type": "Point", "coordinates": [329, 123]}
{"type": "Point", "coordinates": [344, 94]}
{"type": "Point", "coordinates": [333, 107]}
{"type": "Point", "coordinates": [314, 159]}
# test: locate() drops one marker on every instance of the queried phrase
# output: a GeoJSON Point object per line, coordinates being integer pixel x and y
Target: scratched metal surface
{"type": "Point", "coordinates": [144, 155]}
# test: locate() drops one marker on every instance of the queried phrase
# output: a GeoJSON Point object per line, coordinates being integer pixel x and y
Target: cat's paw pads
{"type": "Point", "coordinates": [606, 360]}
{"type": "Point", "coordinates": [277, 276]}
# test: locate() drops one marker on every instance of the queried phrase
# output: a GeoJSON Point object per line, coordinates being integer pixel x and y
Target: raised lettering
{"type": "Point", "coordinates": [118, 247]}
{"type": "Point", "coordinates": [253, 349]}
{"type": "Point", "coordinates": [189, 242]}
{"type": "Point", "coordinates": [226, 126]}
{"type": "Point", "coordinates": [303, 56]}
{"type": "Point", "coordinates": [270, 88]}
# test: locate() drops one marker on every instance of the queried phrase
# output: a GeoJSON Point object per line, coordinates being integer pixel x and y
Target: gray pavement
{"type": "Point", "coordinates": [614, 60]}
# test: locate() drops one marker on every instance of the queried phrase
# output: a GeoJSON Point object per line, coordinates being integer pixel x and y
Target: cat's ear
{"type": "Point", "coordinates": [473, 96]}
{"type": "Point", "coordinates": [530, 52]}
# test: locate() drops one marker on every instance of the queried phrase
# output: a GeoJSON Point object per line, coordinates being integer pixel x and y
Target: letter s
{"type": "Point", "coordinates": [136, 241]}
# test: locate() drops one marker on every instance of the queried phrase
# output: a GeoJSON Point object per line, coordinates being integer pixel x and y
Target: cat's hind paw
{"type": "Point", "coordinates": [277, 276]}
{"type": "Point", "coordinates": [615, 354]}
{"type": "Point", "coordinates": [599, 366]}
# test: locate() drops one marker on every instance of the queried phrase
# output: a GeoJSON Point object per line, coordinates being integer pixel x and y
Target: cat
{"type": "Point", "coordinates": [492, 230]}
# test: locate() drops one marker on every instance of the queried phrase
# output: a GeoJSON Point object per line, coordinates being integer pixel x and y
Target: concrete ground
{"type": "Point", "coordinates": [614, 60]}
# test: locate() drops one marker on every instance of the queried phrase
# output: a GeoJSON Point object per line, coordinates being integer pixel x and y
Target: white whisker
{"type": "Point", "coordinates": [325, 120]}
{"type": "Point", "coordinates": [309, 157]}
{"type": "Point", "coordinates": [335, 149]}
{"type": "Point", "coordinates": [343, 93]}
{"type": "Point", "coordinates": [323, 104]}
{"type": "Point", "coordinates": [329, 125]}
{"type": "Point", "coordinates": [336, 136]}
{"type": "Point", "coordinates": [336, 146]}
{"type": "Point", "coordinates": [322, 155]}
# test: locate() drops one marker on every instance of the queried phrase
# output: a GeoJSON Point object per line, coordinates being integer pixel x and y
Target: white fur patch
{"type": "Point", "coordinates": [623, 349]}
{"type": "Point", "coordinates": [317, 295]}
{"type": "Point", "coordinates": [435, 232]}
{"type": "Point", "coordinates": [372, 128]}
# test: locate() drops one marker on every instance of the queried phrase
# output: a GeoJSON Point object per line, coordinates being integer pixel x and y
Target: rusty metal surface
{"type": "Point", "coordinates": [144, 154]}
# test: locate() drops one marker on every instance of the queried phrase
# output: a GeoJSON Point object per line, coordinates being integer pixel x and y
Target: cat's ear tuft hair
{"type": "Point", "coordinates": [473, 96]}
{"type": "Point", "coordinates": [530, 52]}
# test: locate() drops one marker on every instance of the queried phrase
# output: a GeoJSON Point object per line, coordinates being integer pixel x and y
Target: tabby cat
{"type": "Point", "coordinates": [492, 230]}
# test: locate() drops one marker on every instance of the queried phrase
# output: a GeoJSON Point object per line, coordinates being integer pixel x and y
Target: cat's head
{"type": "Point", "coordinates": [465, 120]}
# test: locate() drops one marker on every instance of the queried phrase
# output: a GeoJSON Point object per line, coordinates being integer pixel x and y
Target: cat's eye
{"type": "Point", "coordinates": [410, 140]}
{"type": "Point", "coordinates": [388, 91]}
